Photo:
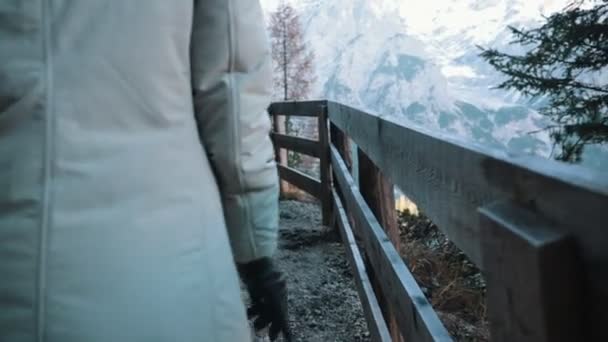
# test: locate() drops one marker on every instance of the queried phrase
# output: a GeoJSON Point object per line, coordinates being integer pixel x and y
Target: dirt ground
{"type": "Point", "coordinates": [323, 300]}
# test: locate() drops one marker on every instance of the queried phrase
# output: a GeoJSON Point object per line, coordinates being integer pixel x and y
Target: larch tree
{"type": "Point", "coordinates": [293, 68]}
{"type": "Point", "coordinates": [566, 62]}
{"type": "Point", "coordinates": [292, 60]}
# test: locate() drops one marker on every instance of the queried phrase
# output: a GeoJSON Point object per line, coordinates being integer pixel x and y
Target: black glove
{"type": "Point", "coordinates": [268, 294]}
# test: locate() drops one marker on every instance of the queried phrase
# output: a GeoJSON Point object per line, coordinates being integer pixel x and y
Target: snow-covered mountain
{"type": "Point", "coordinates": [418, 61]}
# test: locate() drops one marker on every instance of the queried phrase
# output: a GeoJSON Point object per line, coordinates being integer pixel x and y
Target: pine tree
{"type": "Point", "coordinates": [565, 62]}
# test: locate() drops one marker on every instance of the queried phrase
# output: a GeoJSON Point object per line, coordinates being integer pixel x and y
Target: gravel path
{"type": "Point", "coordinates": [323, 301]}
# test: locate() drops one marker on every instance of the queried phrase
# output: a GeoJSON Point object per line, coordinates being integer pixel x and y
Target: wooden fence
{"type": "Point", "coordinates": [537, 228]}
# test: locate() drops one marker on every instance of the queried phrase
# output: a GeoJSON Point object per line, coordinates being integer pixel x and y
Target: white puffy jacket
{"type": "Point", "coordinates": [124, 126]}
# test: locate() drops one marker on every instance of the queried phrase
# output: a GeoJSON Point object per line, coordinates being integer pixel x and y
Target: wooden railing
{"type": "Point", "coordinates": [537, 228]}
{"type": "Point", "coordinates": [319, 188]}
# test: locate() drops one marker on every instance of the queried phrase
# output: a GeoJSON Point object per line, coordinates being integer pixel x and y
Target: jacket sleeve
{"type": "Point", "coordinates": [232, 80]}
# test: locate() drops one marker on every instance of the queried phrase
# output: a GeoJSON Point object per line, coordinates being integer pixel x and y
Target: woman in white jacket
{"type": "Point", "coordinates": [134, 151]}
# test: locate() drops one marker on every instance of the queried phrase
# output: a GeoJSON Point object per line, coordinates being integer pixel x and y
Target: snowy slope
{"type": "Point", "coordinates": [418, 61]}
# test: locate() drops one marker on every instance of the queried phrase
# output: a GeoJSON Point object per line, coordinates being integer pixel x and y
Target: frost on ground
{"type": "Point", "coordinates": [323, 301]}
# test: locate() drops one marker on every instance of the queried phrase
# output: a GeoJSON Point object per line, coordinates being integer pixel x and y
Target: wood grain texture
{"type": "Point", "coordinates": [533, 275]}
{"type": "Point", "coordinates": [378, 192]}
{"type": "Point", "coordinates": [450, 179]}
{"type": "Point", "coordinates": [300, 108]}
{"type": "Point", "coordinates": [301, 180]}
{"type": "Point", "coordinates": [371, 308]}
{"type": "Point", "coordinates": [416, 318]}
{"type": "Point", "coordinates": [342, 144]}
{"type": "Point", "coordinates": [280, 154]}
{"type": "Point", "coordinates": [379, 195]}
{"type": "Point", "coordinates": [296, 144]}
{"type": "Point", "coordinates": [326, 185]}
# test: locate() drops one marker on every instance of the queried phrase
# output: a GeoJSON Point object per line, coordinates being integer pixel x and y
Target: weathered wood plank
{"type": "Point", "coordinates": [325, 166]}
{"type": "Point", "coordinates": [301, 180]}
{"type": "Point", "coordinates": [533, 276]}
{"type": "Point", "coordinates": [449, 179]}
{"type": "Point", "coordinates": [280, 154]}
{"type": "Point", "coordinates": [296, 144]}
{"type": "Point", "coordinates": [342, 144]}
{"type": "Point", "coordinates": [416, 318]}
{"type": "Point", "coordinates": [300, 108]}
{"type": "Point", "coordinates": [371, 308]}
{"type": "Point", "coordinates": [379, 195]}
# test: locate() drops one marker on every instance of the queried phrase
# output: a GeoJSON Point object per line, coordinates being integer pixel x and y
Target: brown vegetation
{"type": "Point", "coordinates": [453, 285]}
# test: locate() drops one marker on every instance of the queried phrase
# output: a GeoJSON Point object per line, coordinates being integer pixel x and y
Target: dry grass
{"type": "Point", "coordinates": [295, 194]}
{"type": "Point", "coordinates": [453, 285]}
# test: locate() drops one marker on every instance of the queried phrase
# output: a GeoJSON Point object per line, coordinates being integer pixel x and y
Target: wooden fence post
{"type": "Point", "coordinates": [533, 277]}
{"type": "Point", "coordinates": [342, 144]}
{"type": "Point", "coordinates": [325, 167]}
{"type": "Point", "coordinates": [280, 154]}
{"type": "Point", "coordinates": [378, 192]}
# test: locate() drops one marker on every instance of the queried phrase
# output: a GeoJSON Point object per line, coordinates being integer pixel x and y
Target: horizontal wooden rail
{"type": "Point", "coordinates": [543, 251]}
{"type": "Point", "coordinates": [304, 108]}
{"type": "Point", "coordinates": [416, 319]}
{"type": "Point", "coordinates": [296, 144]}
{"type": "Point", "coordinates": [450, 179]}
{"type": "Point", "coordinates": [375, 321]}
{"type": "Point", "coordinates": [301, 180]}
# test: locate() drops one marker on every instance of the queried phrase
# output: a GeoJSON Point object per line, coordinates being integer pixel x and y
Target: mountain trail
{"type": "Point", "coordinates": [323, 300]}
